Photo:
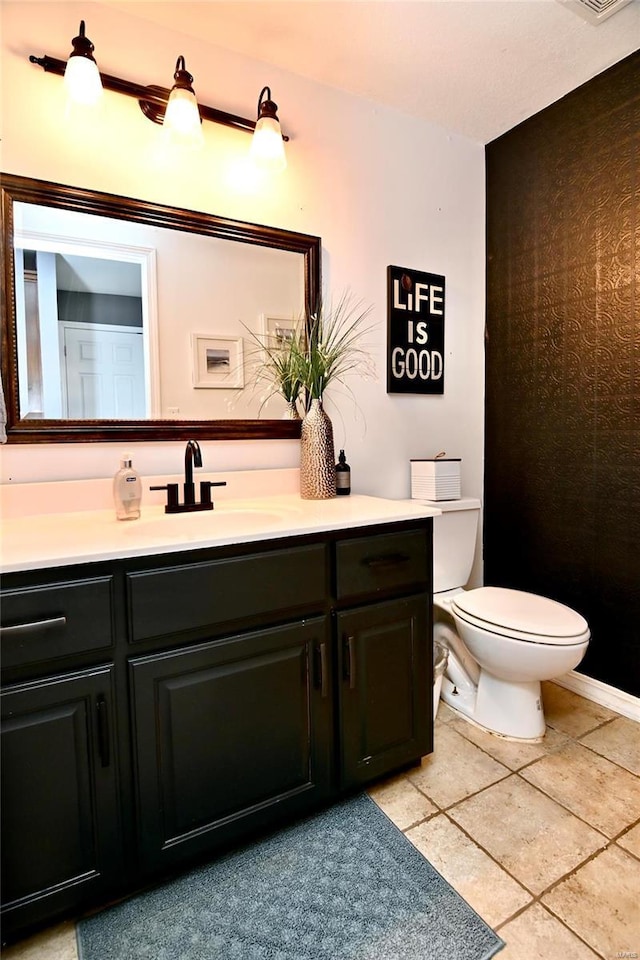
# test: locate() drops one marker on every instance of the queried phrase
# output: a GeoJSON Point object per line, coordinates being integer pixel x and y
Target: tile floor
{"type": "Point", "coordinates": [543, 840]}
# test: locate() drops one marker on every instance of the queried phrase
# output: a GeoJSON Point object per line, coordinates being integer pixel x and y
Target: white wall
{"type": "Point", "coordinates": [379, 187]}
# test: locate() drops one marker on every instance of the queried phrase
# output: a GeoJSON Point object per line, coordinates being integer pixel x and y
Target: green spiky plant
{"type": "Point", "coordinates": [333, 349]}
{"type": "Point", "coordinates": [324, 348]}
{"type": "Point", "coordinates": [280, 364]}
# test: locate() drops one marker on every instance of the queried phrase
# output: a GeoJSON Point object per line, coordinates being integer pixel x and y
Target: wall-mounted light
{"type": "Point", "coordinates": [267, 148]}
{"type": "Point", "coordinates": [157, 102]}
{"type": "Point", "coordinates": [182, 117]}
{"type": "Point", "coordinates": [81, 75]}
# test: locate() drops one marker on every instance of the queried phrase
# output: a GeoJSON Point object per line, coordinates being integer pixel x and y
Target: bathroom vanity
{"type": "Point", "coordinates": [172, 686]}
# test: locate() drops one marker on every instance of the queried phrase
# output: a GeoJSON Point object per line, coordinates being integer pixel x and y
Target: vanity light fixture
{"type": "Point", "coordinates": [267, 148]}
{"type": "Point", "coordinates": [157, 102]}
{"type": "Point", "coordinates": [182, 117]}
{"type": "Point", "coordinates": [81, 75]}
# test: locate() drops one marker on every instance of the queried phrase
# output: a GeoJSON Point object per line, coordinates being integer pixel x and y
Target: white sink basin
{"type": "Point", "coordinates": [201, 524]}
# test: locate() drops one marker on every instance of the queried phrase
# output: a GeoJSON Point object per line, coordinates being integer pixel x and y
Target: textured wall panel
{"type": "Point", "coordinates": [562, 484]}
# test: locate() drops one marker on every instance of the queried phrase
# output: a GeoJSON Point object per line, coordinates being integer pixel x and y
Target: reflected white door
{"type": "Point", "coordinates": [103, 372]}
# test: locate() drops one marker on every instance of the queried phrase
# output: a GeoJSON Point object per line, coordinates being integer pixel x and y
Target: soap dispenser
{"type": "Point", "coordinates": [127, 491]}
{"type": "Point", "coordinates": [343, 476]}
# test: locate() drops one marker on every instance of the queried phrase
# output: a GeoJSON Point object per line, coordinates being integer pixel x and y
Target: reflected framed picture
{"type": "Point", "coordinates": [217, 362]}
{"type": "Point", "coordinates": [278, 331]}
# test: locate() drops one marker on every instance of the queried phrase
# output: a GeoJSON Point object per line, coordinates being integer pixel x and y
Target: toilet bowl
{"type": "Point", "coordinates": [502, 643]}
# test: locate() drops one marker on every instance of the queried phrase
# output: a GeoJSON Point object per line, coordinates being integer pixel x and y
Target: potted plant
{"type": "Point", "coordinates": [333, 352]}
{"type": "Point", "coordinates": [323, 348]}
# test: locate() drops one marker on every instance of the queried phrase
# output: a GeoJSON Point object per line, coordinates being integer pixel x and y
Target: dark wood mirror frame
{"type": "Point", "coordinates": [21, 189]}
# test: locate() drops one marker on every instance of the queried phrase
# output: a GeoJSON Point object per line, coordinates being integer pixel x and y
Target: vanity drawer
{"type": "Point", "coordinates": [56, 620]}
{"type": "Point", "coordinates": [198, 595]}
{"type": "Point", "coordinates": [383, 563]}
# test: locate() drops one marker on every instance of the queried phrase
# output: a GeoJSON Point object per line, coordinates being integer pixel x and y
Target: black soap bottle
{"type": "Point", "coordinates": [343, 476]}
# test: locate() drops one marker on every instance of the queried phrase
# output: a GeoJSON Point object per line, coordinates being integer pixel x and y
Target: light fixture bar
{"type": "Point", "coordinates": [152, 99]}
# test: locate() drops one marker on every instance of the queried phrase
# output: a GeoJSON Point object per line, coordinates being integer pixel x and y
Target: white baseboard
{"type": "Point", "coordinates": [602, 693]}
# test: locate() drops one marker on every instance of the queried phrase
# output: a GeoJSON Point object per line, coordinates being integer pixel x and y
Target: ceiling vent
{"type": "Point", "coordinates": [595, 11]}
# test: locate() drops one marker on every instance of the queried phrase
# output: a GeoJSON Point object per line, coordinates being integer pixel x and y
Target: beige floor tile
{"type": "Point", "coordinates": [402, 802]}
{"type": "Point", "coordinates": [56, 943]}
{"type": "Point", "coordinates": [631, 841]}
{"type": "Point", "coordinates": [603, 794]}
{"type": "Point", "coordinates": [618, 741]}
{"type": "Point", "coordinates": [536, 935]}
{"type": "Point", "coordinates": [482, 883]}
{"type": "Point", "coordinates": [513, 753]}
{"type": "Point", "coordinates": [533, 837]}
{"type": "Point", "coordinates": [569, 713]}
{"type": "Point", "coordinates": [600, 901]}
{"type": "Point", "coordinates": [455, 769]}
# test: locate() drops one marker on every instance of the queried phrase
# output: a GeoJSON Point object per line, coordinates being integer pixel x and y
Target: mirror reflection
{"type": "Point", "coordinates": [121, 320]}
{"type": "Point", "coordinates": [127, 320]}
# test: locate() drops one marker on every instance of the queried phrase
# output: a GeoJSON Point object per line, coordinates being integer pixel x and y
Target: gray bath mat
{"type": "Point", "coordinates": [344, 884]}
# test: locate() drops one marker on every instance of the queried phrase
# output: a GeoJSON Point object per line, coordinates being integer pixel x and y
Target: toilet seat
{"type": "Point", "coordinates": [520, 616]}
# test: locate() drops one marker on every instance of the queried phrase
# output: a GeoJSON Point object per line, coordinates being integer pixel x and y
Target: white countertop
{"type": "Point", "coordinates": [60, 539]}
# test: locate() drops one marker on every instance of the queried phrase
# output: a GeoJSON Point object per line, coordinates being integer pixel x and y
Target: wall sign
{"type": "Point", "coordinates": [415, 331]}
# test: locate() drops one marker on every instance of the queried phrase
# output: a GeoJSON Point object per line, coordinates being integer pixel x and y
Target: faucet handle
{"type": "Point", "coordinates": [172, 496]}
{"type": "Point", "coordinates": [205, 491]}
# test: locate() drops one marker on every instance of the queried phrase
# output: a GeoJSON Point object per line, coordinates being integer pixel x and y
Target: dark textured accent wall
{"type": "Point", "coordinates": [562, 476]}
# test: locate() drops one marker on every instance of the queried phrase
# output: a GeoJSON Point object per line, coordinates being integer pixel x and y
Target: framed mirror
{"type": "Point", "coordinates": [126, 320]}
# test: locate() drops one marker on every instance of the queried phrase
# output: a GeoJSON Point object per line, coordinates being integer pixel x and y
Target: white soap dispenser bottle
{"type": "Point", "coordinates": [127, 491]}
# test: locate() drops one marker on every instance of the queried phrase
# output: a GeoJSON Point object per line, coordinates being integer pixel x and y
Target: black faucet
{"type": "Point", "coordinates": [192, 458]}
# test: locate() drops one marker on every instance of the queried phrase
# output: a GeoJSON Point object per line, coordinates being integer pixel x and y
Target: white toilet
{"type": "Point", "coordinates": [501, 642]}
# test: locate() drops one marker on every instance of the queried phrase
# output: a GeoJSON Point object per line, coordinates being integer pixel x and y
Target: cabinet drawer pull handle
{"type": "Point", "coordinates": [386, 561]}
{"type": "Point", "coordinates": [102, 711]}
{"type": "Point", "coordinates": [20, 630]}
{"type": "Point", "coordinates": [324, 676]}
{"type": "Point", "coordinates": [350, 662]}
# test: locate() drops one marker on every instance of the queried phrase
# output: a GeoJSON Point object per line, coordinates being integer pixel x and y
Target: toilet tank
{"type": "Point", "coordinates": [454, 542]}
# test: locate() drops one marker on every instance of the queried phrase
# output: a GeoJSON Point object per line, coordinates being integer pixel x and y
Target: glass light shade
{"type": "Point", "coordinates": [82, 80]}
{"type": "Point", "coordinates": [267, 146]}
{"type": "Point", "coordinates": [182, 118]}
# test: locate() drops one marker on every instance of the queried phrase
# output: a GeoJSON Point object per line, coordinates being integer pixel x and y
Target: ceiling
{"type": "Point", "coordinates": [80, 274]}
{"type": "Point", "coordinates": [475, 67]}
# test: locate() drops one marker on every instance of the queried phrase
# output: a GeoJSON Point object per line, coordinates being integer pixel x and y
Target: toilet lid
{"type": "Point", "coordinates": [520, 614]}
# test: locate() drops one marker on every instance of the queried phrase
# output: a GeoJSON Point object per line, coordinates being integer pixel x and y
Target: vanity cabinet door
{"type": "Point", "coordinates": [230, 735]}
{"type": "Point", "coordinates": [60, 828]}
{"type": "Point", "coordinates": [385, 692]}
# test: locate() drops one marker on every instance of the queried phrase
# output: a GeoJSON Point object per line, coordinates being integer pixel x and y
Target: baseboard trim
{"type": "Point", "coordinates": [599, 692]}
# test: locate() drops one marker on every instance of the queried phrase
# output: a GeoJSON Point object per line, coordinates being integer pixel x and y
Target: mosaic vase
{"type": "Point", "coordinates": [317, 457]}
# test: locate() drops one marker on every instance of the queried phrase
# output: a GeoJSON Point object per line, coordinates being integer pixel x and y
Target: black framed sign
{"type": "Point", "coordinates": [415, 331]}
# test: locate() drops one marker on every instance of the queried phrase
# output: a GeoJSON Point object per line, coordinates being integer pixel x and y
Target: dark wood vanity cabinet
{"type": "Point", "coordinates": [225, 730]}
{"type": "Point", "coordinates": [384, 720]}
{"type": "Point", "coordinates": [384, 652]}
{"type": "Point", "coordinates": [61, 832]}
{"type": "Point", "coordinates": [61, 837]}
{"type": "Point", "coordinates": [168, 706]}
